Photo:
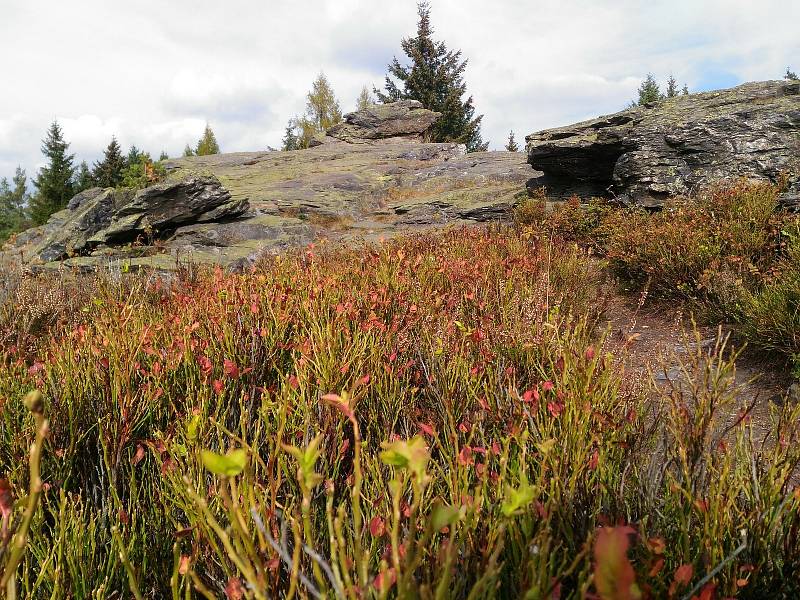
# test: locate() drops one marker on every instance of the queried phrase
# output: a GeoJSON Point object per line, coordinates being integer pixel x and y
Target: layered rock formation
{"type": "Point", "coordinates": [100, 219]}
{"type": "Point", "coordinates": [371, 177]}
{"type": "Point", "coordinates": [406, 120]}
{"type": "Point", "coordinates": [648, 153]}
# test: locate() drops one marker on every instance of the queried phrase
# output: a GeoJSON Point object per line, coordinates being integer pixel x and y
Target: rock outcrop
{"type": "Point", "coordinates": [102, 218]}
{"type": "Point", "coordinates": [372, 177]}
{"type": "Point", "coordinates": [406, 120]}
{"type": "Point", "coordinates": [648, 153]}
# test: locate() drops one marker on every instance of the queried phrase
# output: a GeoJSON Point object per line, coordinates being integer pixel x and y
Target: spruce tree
{"type": "Point", "coordinates": [685, 90]}
{"type": "Point", "coordinates": [435, 77]}
{"type": "Point", "coordinates": [108, 172]}
{"type": "Point", "coordinates": [364, 99]}
{"type": "Point", "coordinates": [649, 91]}
{"type": "Point", "coordinates": [13, 217]}
{"type": "Point", "coordinates": [163, 156]}
{"type": "Point", "coordinates": [790, 74]}
{"type": "Point", "coordinates": [290, 139]}
{"type": "Point", "coordinates": [54, 182]}
{"type": "Point", "coordinates": [511, 144]}
{"type": "Point", "coordinates": [83, 178]}
{"type": "Point", "coordinates": [134, 156]}
{"type": "Point", "coordinates": [207, 144]}
{"type": "Point", "coordinates": [672, 87]}
{"type": "Point", "coordinates": [187, 151]}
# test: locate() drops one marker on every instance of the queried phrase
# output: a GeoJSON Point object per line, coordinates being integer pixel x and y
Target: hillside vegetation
{"type": "Point", "coordinates": [439, 416]}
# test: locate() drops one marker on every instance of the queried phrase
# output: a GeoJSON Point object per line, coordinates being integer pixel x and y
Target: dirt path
{"type": "Point", "coordinates": [653, 337]}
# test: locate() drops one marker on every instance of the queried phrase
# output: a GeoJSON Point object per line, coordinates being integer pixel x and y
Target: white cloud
{"type": "Point", "coordinates": [152, 72]}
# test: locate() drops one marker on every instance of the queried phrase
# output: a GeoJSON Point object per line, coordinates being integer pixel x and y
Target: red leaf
{"type": "Point", "coordinates": [377, 527]}
{"type": "Point", "coordinates": [230, 369]}
{"type": "Point", "coordinates": [614, 578]}
{"type": "Point", "coordinates": [234, 589]}
{"type": "Point", "coordinates": [683, 575]}
{"type": "Point", "coordinates": [6, 498]}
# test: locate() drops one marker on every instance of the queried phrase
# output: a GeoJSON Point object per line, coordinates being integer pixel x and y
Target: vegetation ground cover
{"type": "Point", "coordinates": [437, 416]}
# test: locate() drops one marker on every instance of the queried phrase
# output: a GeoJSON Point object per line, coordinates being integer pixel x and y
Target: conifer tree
{"type": "Point", "coordinates": [207, 144]}
{"type": "Point", "coordinates": [290, 139]}
{"type": "Point", "coordinates": [435, 77]}
{"type": "Point", "coordinates": [83, 178]}
{"type": "Point", "coordinates": [13, 201]}
{"type": "Point", "coordinates": [364, 99]}
{"type": "Point", "coordinates": [685, 90]}
{"type": "Point", "coordinates": [511, 144]}
{"type": "Point", "coordinates": [649, 91]}
{"type": "Point", "coordinates": [163, 156]}
{"type": "Point", "coordinates": [672, 87]}
{"type": "Point", "coordinates": [54, 182]}
{"type": "Point", "coordinates": [790, 74]}
{"type": "Point", "coordinates": [108, 172]}
{"type": "Point", "coordinates": [187, 151]}
{"type": "Point", "coordinates": [134, 155]}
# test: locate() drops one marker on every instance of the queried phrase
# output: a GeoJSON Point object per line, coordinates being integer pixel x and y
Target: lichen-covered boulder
{"type": "Point", "coordinates": [406, 119]}
{"type": "Point", "coordinates": [648, 153]}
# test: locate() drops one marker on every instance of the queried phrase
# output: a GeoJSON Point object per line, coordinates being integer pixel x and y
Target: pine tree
{"type": "Point", "coordinates": [322, 112]}
{"type": "Point", "coordinates": [54, 182]}
{"type": "Point", "coordinates": [83, 178]}
{"type": "Point", "coordinates": [790, 74]}
{"type": "Point", "coordinates": [435, 77]}
{"type": "Point", "coordinates": [685, 90]}
{"type": "Point", "coordinates": [511, 145]}
{"type": "Point", "coordinates": [13, 215]}
{"type": "Point", "coordinates": [672, 87]}
{"type": "Point", "coordinates": [134, 154]}
{"type": "Point", "coordinates": [649, 91]}
{"type": "Point", "coordinates": [207, 144]}
{"type": "Point", "coordinates": [290, 139]}
{"type": "Point", "coordinates": [364, 99]}
{"type": "Point", "coordinates": [163, 156]}
{"type": "Point", "coordinates": [108, 172]}
{"type": "Point", "coordinates": [187, 151]}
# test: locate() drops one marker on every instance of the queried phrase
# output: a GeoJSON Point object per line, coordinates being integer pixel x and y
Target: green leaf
{"type": "Point", "coordinates": [412, 455]}
{"type": "Point", "coordinates": [517, 499]}
{"type": "Point", "coordinates": [192, 429]}
{"type": "Point", "coordinates": [228, 465]}
{"type": "Point", "coordinates": [444, 515]}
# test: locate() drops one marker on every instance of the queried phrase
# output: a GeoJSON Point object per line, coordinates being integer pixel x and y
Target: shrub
{"type": "Point", "coordinates": [676, 250]}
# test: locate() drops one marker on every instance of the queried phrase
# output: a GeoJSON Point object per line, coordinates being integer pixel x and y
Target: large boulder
{"type": "Point", "coordinates": [107, 217]}
{"type": "Point", "coordinates": [406, 119]}
{"type": "Point", "coordinates": [648, 153]}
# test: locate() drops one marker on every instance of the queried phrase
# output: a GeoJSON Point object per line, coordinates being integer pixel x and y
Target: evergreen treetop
{"type": "Point", "coordinates": [790, 74]}
{"type": "Point", "coordinates": [435, 77]}
{"type": "Point", "coordinates": [290, 139]}
{"type": "Point", "coordinates": [511, 144]}
{"type": "Point", "coordinates": [54, 182]}
{"type": "Point", "coordinates": [649, 91]}
{"type": "Point", "coordinates": [83, 178]}
{"type": "Point", "coordinates": [13, 217]}
{"type": "Point", "coordinates": [108, 172]}
{"type": "Point", "coordinates": [672, 87]}
{"type": "Point", "coordinates": [207, 144]}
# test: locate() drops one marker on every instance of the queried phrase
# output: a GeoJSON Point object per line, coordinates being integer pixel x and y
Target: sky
{"type": "Point", "coordinates": [152, 73]}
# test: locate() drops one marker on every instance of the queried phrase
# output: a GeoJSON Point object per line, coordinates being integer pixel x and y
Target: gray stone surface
{"type": "Point", "coordinates": [646, 154]}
